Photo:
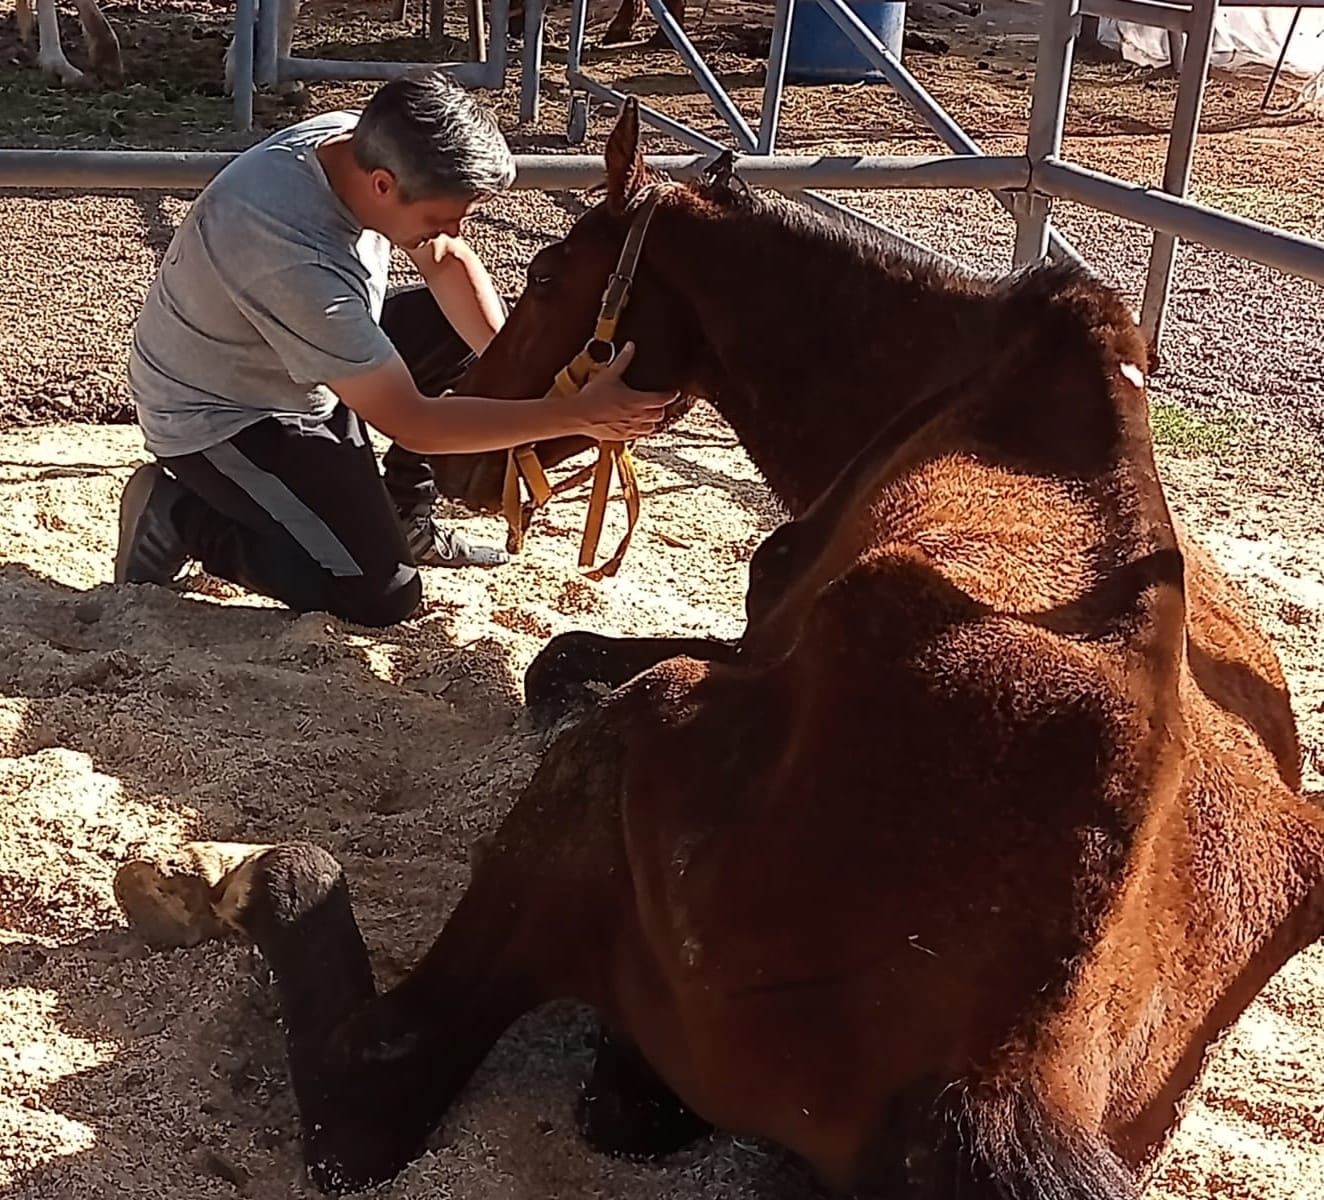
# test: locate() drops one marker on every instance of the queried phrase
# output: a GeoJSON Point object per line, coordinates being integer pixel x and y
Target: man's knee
{"type": "Point", "coordinates": [378, 603]}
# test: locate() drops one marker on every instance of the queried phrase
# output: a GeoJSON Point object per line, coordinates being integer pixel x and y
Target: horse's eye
{"type": "Point", "coordinates": [539, 273]}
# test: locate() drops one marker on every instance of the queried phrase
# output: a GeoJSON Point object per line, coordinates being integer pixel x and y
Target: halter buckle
{"type": "Point", "coordinates": [616, 293]}
{"type": "Point", "coordinates": [601, 353]}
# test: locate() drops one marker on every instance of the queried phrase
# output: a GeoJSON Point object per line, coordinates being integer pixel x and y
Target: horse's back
{"type": "Point", "coordinates": [866, 862]}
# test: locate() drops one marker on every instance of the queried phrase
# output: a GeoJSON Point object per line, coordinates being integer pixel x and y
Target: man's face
{"type": "Point", "coordinates": [411, 223]}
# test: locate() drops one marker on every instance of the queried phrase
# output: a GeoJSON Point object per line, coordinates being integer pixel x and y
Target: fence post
{"type": "Point", "coordinates": [774, 82]}
{"type": "Point", "coordinates": [243, 51]}
{"type": "Point", "coordinates": [1177, 168]}
{"type": "Point", "coordinates": [535, 20]}
{"type": "Point", "coordinates": [1048, 109]}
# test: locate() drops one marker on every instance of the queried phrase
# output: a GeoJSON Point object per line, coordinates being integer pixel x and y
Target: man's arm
{"type": "Point", "coordinates": [605, 409]}
{"type": "Point", "coordinates": [463, 289]}
{"type": "Point", "coordinates": [320, 326]}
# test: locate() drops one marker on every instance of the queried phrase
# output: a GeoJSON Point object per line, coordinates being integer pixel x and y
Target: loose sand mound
{"type": "Point", "coordinates": [131, 718]}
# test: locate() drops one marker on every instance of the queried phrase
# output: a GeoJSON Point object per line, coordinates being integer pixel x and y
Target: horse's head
{"type": "Point", "coordinates": [557, 312]}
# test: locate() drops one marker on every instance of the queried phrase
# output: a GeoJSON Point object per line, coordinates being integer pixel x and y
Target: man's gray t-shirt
{"type": "Point", "coordinates": [269, 289]}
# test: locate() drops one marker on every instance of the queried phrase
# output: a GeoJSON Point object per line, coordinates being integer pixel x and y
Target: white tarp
{"type": "Point", "coordinates": [1246, 41]}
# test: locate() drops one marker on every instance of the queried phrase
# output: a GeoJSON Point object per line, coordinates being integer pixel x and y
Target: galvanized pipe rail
{"type": "Point", "coordinates": [1191, 28]}
{"type": "Point", "coordinates": [257, 61]}
{"type": "Point", "coordinates": [186, 171]}
{"type": "Point", "coordinates": [1027, 185]}
{"type": "Point", "coordinates": [174, 170]}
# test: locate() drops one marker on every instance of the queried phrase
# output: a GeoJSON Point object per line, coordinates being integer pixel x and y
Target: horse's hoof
{"type": "Point", "coordinates": [167, 910]}
{"type": "Point", "coordinates": [186, 897]}
{"type": "Point", "coordinates": [624, 1109]}
{"type": "Point", "coordinates": [625, 1124]}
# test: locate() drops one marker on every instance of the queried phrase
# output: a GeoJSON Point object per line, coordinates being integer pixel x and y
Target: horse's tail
{"type": "Point", "coordinates": [1004, 1143]}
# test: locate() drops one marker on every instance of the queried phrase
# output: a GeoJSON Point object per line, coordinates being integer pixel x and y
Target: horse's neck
{"type": "Point", "coordinates": [816, 346]}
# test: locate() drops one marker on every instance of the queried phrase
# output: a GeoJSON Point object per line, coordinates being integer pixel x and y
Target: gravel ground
{"type": "Point", "coordinates": [131, 718]}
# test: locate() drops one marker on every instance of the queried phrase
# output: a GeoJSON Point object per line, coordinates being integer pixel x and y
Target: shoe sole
{"type": "Point", "coordinates": [137, 492]}
{"type": "Point", "coordinates": [465, 554]}
{"type": "Point", "coordinates": [467, 560]}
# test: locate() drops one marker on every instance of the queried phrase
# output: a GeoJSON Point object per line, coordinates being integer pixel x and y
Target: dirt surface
{"type": "Point", "coordinates": [134, 717]}
{"type": "Point", "coordinates": [131, 718]}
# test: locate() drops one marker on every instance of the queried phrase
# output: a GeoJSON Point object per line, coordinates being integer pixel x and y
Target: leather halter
{"type": "Point", "coordinates": [598, 354]}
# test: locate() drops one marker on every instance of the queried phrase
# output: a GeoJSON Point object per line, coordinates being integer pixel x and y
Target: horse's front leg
{"type": "Point", "coordinates": [574, 670]}
{"type": "Point", "coordinates": [374, 1074]}
{"type": "Point", "coordinates": [626, 1109]}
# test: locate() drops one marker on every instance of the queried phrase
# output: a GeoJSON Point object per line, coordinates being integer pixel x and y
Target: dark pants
{"type": "Point", "coordinates": [299, 511]}
{"type": "Point", "coordinates": [437, 357]}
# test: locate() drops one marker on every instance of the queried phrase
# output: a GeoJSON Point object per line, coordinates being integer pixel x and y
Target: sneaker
{"type": "Point", "coordinates": [150, 549]}
{"type": "Point", "coordinates": [435, 546]}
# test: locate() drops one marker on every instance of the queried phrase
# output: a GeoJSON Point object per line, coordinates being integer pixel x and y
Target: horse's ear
{"type": "Point", "coordinates": [626, 171]}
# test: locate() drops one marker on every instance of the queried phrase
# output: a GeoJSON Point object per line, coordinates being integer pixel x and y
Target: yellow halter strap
{"type": "Point", "coordinates": [598, 354]}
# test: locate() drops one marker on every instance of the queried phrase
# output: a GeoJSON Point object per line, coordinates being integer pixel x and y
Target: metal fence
{"type": "Point", "coordinates": [257, 61]}
{"type": "Point", "coordinates": [1166, 210]}
{"type": "Point", "coordinates": [1026, 185]}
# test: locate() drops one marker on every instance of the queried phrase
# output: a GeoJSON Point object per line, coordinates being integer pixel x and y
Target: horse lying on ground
{"type": "Point", "coordinates": [946, 873]}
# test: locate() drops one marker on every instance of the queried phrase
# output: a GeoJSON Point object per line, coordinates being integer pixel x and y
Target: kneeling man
{"type": "Point", "coordinates": [267, 341]}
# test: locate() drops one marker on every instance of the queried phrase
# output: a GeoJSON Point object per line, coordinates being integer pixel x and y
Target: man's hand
{"type": "Point", "coordinates": [434, 253]}
{"type": "Point", "coordinates": [606, 410]}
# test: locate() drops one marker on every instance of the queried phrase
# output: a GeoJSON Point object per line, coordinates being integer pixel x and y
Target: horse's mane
{"type": "Point", "coordinates": [854, 239]}
{"type": "Point", "coordinates": [855, 243]}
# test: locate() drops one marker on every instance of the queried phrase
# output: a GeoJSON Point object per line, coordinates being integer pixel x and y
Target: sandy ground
{"type": "Point", "coordinates": [133, 717]}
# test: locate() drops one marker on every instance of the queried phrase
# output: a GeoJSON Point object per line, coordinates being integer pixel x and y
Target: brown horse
{"type": "Point", "coordinates": [945, 875]}
{"type": "Point", "coordinates": [621, 28]}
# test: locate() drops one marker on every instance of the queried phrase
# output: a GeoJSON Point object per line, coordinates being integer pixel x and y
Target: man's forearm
{"type": "Point", "coordinates": [387, 398]}
{"type": "Point", "coordinates": [477, 424]}
{"type": "Point", "coordinates": [465, 294]}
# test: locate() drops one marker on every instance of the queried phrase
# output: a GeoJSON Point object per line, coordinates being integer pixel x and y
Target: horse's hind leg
{"type": "Point", "coordinates": [50, 53]}
{"type": "Point", "coordinates": [103, 47]}
{"type": "Point", "coordinates": [574, 670]}
{"type": "Point", "coordinates": [626, 1109]}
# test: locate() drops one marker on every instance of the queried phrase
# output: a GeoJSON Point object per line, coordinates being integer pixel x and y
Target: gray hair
{"type": "Point", "coordinates": [435, 138]}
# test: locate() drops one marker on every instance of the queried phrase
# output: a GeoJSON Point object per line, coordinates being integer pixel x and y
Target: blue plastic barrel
{"type": "Point", "coordinates": [819, 52]}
